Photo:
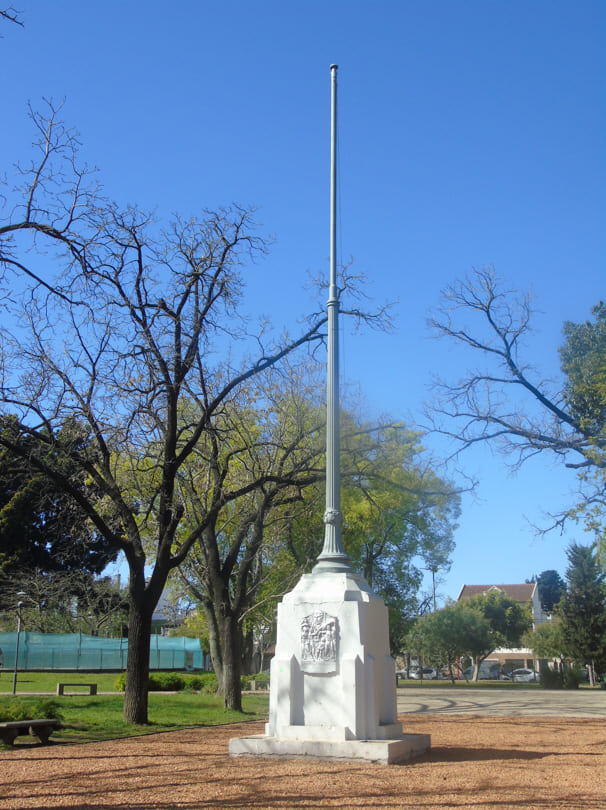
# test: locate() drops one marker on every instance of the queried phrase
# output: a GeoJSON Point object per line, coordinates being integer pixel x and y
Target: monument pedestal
{"type": "Point", "coordinates": [332, 686]}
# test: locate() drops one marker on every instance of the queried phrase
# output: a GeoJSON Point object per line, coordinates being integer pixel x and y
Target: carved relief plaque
{"type": "Point", "coordinates": [319, 642]}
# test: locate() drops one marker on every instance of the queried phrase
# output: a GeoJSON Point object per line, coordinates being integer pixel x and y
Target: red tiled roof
{"type": "Point", "coordinates": [521, 593]}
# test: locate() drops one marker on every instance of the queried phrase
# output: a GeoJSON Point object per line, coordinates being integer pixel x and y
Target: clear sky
{"type": "Point", "coordinates": [471, 132]}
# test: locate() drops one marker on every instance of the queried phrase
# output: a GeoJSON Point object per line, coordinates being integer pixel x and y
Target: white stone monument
{"type": "Point", "coordinates": [332, 685]}
{"type": "Point", "coordinates": [332, 688]}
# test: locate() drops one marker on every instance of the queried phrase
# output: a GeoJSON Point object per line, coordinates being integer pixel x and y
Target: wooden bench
{"type": "Point", "coordinates": [92, 687]}
{"type": "Point", "coordinates": [42, 729]}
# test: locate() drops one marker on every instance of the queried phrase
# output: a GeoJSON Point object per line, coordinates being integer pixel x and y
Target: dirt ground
{"type": "Point", "coordinates": [475, 762]}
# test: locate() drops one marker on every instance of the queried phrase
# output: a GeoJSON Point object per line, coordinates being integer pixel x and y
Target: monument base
{"type": "Point", "coordinates": [382, 752]}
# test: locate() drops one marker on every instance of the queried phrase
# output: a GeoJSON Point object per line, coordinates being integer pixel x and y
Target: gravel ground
{"type": "Point", "coordinates": [475, 762]}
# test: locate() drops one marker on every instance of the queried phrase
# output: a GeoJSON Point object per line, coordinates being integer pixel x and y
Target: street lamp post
{"type": "Point", "coordinates": [19, 606]}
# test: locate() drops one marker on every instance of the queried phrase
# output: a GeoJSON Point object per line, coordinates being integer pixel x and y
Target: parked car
{"type": "Point", "coordinates": [524, 675]}
{"type": "Point", "coordinates": [429, 674]}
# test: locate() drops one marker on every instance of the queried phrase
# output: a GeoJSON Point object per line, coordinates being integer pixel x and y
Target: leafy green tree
{"type": "Point", "coordinates": [583, 359]}
{"type": "Point", "coordinates": [451, 634]}
{"type": "Point", "coordinates": [583, 608]}
{"type": "Point", "coordinates": [507, 621]}
{"type": "Point", "coordinates": [194, 626]}
{"type": "Point", "coordinates": [547, 640]}
{"type": "Point", "coordinates": [399, 516]}
{"type": "Point", "coordinates": [505, 402]}
{"type": "Point", "coordinates": [42, 529]}
{"type": "Point", "coordinates": [271, 450]}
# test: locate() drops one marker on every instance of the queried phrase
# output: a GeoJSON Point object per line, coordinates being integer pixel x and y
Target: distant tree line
{"type": "Point", "coordinates": [472, 629]}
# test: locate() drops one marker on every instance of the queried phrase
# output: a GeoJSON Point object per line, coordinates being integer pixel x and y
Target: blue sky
{"type": "Point", "coordinates": [470, 133]}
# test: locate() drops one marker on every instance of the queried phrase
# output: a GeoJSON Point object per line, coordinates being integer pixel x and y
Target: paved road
{"type": "Point", "coordinates": [512, 702]}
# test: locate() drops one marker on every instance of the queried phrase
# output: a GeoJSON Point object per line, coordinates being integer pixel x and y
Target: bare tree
{"type": "Point", "coordinates": [139, 340]}
{"type": "Point", "coordinates": [11, 15]}
{"type": "Point", "coordinates": [507, 403]}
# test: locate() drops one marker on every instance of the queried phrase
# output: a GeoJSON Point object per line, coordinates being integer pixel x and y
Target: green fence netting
{"type": "Point", "coordinates": [79, 651]}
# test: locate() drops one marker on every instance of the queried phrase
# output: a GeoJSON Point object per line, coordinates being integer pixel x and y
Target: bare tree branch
{"type": "Point", "coordinates": [506, 404]}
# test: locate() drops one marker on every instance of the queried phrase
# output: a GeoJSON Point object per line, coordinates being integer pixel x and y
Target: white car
{"type": "Point", "coordinates": [524, 676]}
{"type": "Point", "coordinates": [429, 674]}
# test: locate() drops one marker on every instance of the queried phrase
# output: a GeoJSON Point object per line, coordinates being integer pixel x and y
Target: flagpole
{"type": "Point", "coordinates": [333, 557]}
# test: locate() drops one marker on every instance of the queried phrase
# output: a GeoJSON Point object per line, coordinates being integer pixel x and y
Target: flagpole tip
{"type": "Point", "coordinates": [334, 67]}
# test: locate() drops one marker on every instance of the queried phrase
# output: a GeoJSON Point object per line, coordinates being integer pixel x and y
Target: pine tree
{"type": "Point", "coordinates": [583, 608]}
{"type": "Point", "coordinates": [551, 589]}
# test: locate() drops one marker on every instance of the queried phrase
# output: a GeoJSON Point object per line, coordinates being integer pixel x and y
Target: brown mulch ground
{"type": "Point", "coordinates": [475, 762]}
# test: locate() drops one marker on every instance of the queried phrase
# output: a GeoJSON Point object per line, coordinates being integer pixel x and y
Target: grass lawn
{"type": "Point", "coordinates": [47, 681]}
{"type": "Point", "coordinates": [86, 718]}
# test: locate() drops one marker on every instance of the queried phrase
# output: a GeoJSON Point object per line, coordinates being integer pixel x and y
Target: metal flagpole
{"type": "Point", "coordinates": [333, 557]}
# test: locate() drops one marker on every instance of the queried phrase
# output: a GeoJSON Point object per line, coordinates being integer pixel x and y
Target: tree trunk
{"type": "Point", "coordinates": [214, 642]}
{"type": "Point", "coordinates": [248, 649]}
{"type": "Point", "coordinates": [137, 669]}
{"type": "Point", "coordinates": [231, 638]}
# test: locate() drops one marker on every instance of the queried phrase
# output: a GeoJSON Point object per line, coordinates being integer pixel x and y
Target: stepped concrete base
{"type": "Point", "coordinates": [382, 752]}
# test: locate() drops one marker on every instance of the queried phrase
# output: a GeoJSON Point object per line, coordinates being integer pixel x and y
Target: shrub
{"type": "Point", "coordinates": [572, 678]}
{"type": "Point", "coordinates": [261, 680]}
{"type": "Point", "coordinates": [193, 683]}
{"type": "Point", "coordinates": [209, 683]}
{"type": "Point", "coordinates": [550, 678]}
{"type": "Point", "coordinates": [206, 682]}
{"type": "Point", "coordinates": [175, 682]}
{"type": "Point", "coordinates": [166, 682]}
{"type": "Point", "coordinates": [38, 710]}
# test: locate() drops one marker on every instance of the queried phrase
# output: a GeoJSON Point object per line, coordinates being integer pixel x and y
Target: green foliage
{"type": "Point", "coordinates": [547, 640]}
{"type": "Point", "coordinates": [566, 677]}
{"type": "Point", "coordinates": [508, 620]}
{"type": "Point", "coordinates": [261, 681]}
{"type": "Point", "coordinates": [166, 682]}
{"type": "Point", "coordinates": [42, 529]}
{"type": "Point", "coordinates": [572, 677]}
{"type": "Point", "coordinates": [399, 516]}
{"type": "Point", "coordinates": [194, 626]}
{"type": "Point", "coordinates": [39, 709]}
{"type": "Point", "coordinates": [551, 678]}
{"type": "Point", "coordinates": [551, 589]}
{"type": "Point", "coordinates": [175, 682]}
{"type": "Point", "coordinates": [583, 608]}
{"type": "Point", "coordinates": [583, 358]}
{"type": "Point", "coordinates": [450, 634]}
{"type": "Point", "coordinates": [206, 683]}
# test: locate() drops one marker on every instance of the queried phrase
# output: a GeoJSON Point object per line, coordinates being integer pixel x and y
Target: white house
{"type": "Point", "coordinates": [526, 594]}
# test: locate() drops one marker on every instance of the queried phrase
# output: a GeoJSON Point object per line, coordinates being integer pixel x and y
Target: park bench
{"type": "Point", "coordinates": [92, 687]}
{"type": "Point", "coordinates": [42, 729]}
